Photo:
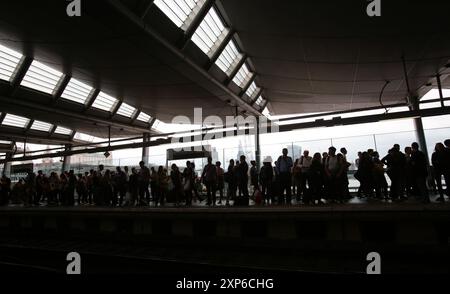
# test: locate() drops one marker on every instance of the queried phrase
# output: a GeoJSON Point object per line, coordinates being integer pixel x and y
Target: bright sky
{"type": "Point", "coordinates": [354, 137]}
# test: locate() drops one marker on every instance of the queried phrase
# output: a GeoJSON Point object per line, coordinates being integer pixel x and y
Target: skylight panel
{"type": "Point", "coordinates": [9, 59]}
{"type": "Point", "coordinates": [144, 117]}
{"type": "Point", "coordinates": [126, 110]}
{"type": "Point", "coordinates": [242, 76]}
{"type": "Point", "coordinates": [15, 121]}
{"type": "Point", "coordinates": [229, 57]}
{"type": "Point", "coordinates": [41, 126]}
{"type": "Point", "coordinates": [180, 12]}
{"type": "Point", "coordinates": [434, 94]}
{"type": "Point", "coordinates": [159, 126]}
{"type": "Point", "coordinates": [76, 91]}
{"type": "Point", "coordinates": [41, 77]}
{"type": "Point", "coordinates": [210, 32]}
{"type": "Point", "coordinates": [88, 138]}
{"type": "Point", "coordinates": [63, 131]}
{"type": "Point", "coordinates": [259, 101]}
{"type": "Point", "coordinates": [104, 102]}
{"type": "Point", "coordinates": [252, 90]}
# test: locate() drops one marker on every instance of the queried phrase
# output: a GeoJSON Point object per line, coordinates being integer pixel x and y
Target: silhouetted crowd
{"type": "Point", "coordinates": [308, 179]}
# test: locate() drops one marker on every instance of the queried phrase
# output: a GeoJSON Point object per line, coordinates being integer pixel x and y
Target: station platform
{"type": "Point", "coordinates": [412, 237]}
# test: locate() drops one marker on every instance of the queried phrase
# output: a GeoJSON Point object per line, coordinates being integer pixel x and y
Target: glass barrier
{"type": "Point", "coordinates": [295, 141]}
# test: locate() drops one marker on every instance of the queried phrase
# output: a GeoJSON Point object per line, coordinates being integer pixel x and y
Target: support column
{"type": "Point", "coordinates": [7, 165]}
{"type": "Point", "coordinates": [420, 133]}
{"type": "Point", "coordinates": [145, 150]}
{"type": "Point", "coordinates": [66, 159]}
{"type": "Point", "coordinates": [257, 146]}
{"type": "Point", "coordinates": [441, 96]}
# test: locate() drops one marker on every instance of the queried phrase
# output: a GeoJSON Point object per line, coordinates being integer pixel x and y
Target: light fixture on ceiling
{"type": "Point", "coordinates": [107, 154]}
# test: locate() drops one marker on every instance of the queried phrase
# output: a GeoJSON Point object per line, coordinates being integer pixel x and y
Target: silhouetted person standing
{"type": "Point", "coordinates": [447, 174]}
{"type": "Point", "coordinates": [71, 184]}
{"type": "Point", "coordinates": [119, 187]}
{"type": "Point", "coordinates": [380, 183]}
{"type": "Point", "coordinates": [347, 165]}
{"type": "Point", "coordinates": [254, 177]}
{"type": "Point", "coordinates": [81, 189]}
{"type": "Point", "coordinates": [176, 178]}
{"type": "Point", "coordinates": [419, 172]}
{"type": "Point", "coordinates": [144, 181]}
{"type": "Point", "coordinates": [188, 183]}
{"type": "Point", "coordinates": [304, 163]}
{"type": "Point", "coordinates": [396, 163]}
{"type": "Point", "coordinates": [266, 178]}
{"type": "Point", "coordinates": [447, 144]}
{"type": "Point", "coordinates": [5, 190]}
{"type": "Point", "coordinates": [315, 178]}
{"type": "Point", "coordinates": [365, 174]}
{"type": "Point", "coordinates": [333, 168]}
{"type": "Point", "coordinates": [39, 187]}
{"type": "Point", "coordinates": [230, 179]}
{"type": "Point", "coordinates": [163, 183]}
{"type": "Point", "coordinates": [242, 171]}
{"type": "Point", "coordinates": [408, 172]}
{"type": "Point", "coordinates": [134, 187]}
{"type": "Point", "coordinates": [209, 178]}
{"type": "Point", "coordinates": [284, 166]}
{"type": "Point", "coordinates": [439, 160]}
{"type": "Point", "coordinates": [220, 181]}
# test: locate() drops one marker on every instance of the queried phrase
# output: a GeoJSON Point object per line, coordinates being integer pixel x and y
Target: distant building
{"type": "Point", "coordinates": [296, 151]}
